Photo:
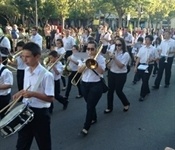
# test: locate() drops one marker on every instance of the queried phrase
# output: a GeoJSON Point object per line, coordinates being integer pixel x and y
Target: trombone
{"type": "Point", "coordinates": [90, 64]}
{"type": "Point", "coordinates": [47, 63]}
{"type": "Point", "coordinates": [66, 70]}
{"type": "Point", "coordinates": [11, 58]}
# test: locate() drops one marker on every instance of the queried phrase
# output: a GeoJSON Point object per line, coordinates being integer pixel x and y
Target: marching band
{"type": "Point", "coordinates": [86, 73]}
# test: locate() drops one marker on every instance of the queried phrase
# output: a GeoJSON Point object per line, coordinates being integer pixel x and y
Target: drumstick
{"type": "Point", "coordinates": [15, 101]}
{"type": "Point", "coordinates": [6, 106]}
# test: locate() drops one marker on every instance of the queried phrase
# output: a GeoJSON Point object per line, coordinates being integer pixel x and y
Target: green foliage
{"type": "Point", "coordinates": [155, 10]}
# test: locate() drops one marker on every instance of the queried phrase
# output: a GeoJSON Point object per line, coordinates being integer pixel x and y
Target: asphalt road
{"type": "Point", "coordinates": [148, 125]}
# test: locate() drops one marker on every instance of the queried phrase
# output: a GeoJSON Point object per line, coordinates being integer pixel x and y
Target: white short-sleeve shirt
{"type": "Point", "coordinates": [167, 45]}
{"type": "Point", "coordinates": [89, 75]}
{"type": "Point", "coordinates": [147, 52]}
{"type": "Point", "coordinates": [6, 78]}
{"type": "Point", "coordinates": [59, 67]}
{"type": "Point", "coordinates": [124, 59]}
{"type": "Point", "coordinates": [20, 63]}
{"type": "Point", "coordinates": [46, 86]}
{"type": "Point", "coordinates": [69, 42]}
{"type": "Point", "coordinates": [60, 51]}
{"type": "Point", "coordinates": [38, 39]}
{"type": "Point", "coordinates": [72, 65]}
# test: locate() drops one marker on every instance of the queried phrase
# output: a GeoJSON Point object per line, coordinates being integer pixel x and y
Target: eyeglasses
{"type": "Point", "coordinates": [118, 45]}
{"type": "Point", "coordinates": [92, 49]}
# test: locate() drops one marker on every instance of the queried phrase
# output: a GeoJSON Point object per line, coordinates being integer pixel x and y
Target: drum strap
{"type": "Point", "coordinates": [40, 78]}
{"type": "Point", "coordinates": [2, 70]}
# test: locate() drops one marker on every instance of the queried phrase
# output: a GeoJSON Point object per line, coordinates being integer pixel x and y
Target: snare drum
{"type": "Point", "coordinates": [15, 120]}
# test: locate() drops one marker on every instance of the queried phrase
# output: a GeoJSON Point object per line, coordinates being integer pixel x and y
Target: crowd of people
{"type": "Point", "coordinates": [147, 51]}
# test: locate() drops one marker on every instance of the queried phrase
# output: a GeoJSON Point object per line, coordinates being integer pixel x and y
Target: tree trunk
{"type": "Point", "coordinates": [119, 21]}
{"type": "Point", "coordinates": [63, 22]}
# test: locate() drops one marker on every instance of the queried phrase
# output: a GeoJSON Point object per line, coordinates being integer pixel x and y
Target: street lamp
{"type": "Point", "coordinates": [36, 13]}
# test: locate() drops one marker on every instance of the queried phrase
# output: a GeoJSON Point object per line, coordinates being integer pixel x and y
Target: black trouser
{"type": "Point", "coordinates": [68, 53]}
{"type": "Point", "coordinates": [4, 60]}
{"type": "Point", "coordinates": [136, 77]}
{"type": "Point", "coordinates": [84, 48]}
{"type": "Point", "coordinates": [39, 128]}
{"type": "Point", "coordinates": [20, 79]}
{"type": "Point", "coordinates": [155, 68]}
{"type": "Point", "coordinates": [129, 48]}
{"type": "Point", "coordinates": [164, 66]}
{"type": "Point", "coordinates": [104, 49]}
{"type": "Point", "coordinates": [145, 80]}
{"type": "Point", "coordinates": [92, 92]}
{"type": "Point", "coordinates": [58, 97]}
{"type": "Point", "coordinates": [48, 42]}
{"type": "Point", "coordinates": [4, 101]}
{"type": "Point", "coordinates": [116, 82]}
{"type": "Point", "coordinates": [69, 84]}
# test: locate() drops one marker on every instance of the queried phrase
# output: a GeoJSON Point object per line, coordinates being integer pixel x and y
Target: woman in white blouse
{"type": "Point", "coordinates": [117, 75]}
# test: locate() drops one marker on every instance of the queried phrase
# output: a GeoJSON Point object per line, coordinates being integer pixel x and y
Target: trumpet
{"type": "Point", "coordinates": [66, 70]}
{"type": "Point", "coordinates": [90, 64]}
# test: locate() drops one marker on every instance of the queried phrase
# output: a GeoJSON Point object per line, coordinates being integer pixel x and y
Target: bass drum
{"type": "Point", "coordinates": [15, 120]}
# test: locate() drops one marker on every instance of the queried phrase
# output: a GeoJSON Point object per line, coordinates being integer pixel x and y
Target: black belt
{"type": "Point", "coordinates": [91, 82]}
{"type": "Point", "coordinates": [4, 95]}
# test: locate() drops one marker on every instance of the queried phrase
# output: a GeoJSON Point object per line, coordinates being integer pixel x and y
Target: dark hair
{"type": "Point", "coordinates": [93, 42]}
{"type": "Point", "coordinates": [140, 39]}
{"type": "Point", "coordinates": [61, 41]}
{"type": "Point", "coordinates": [150, 37]}
{"type": "Point", "coordinates": [123, 44]}
{"type": "Point", "coordinates": [53, 53]}
{"type": "Point", "coordinates": [76, 47]}
{"type": "Point", "coordinates": [35, 28]}
{"type": "Point", "coordinates": [33, 48]}
{"type": "Point", "coordinates": [159, 41]}
{"type": "Point", "coordinates": [20, 43]}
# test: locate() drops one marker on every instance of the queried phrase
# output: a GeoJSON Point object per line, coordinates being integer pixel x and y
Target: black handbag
{"type": "Point", "coordinates": [103, 82]}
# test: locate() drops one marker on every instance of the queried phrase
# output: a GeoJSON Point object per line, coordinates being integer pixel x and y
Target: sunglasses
{"type": "Point", "coordinates": [118, 45]}
{"type": "Point", "coordinates": [92, 49]}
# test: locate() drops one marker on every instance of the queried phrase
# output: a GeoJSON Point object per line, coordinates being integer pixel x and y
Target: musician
{"type": "Point", "coordinates": [144, 65]}
{"type": "Point", "coordinates": [135, 51]}
{"type": "Point", "coordinates": [91, 86]}
{"type": "Point", "coordinates": [167, 49]}
{"type": "Point", "coordinates": [57, 71]}
{"type": "Point", "coordinates": [157, 46]}
{"type": "Point", "coordinates": [36, 37]}
{"type": "Point", "coordinates": [6, 82]}
{"type": "Point", "coordinates": [60, 50]}
{"type": "Point", "coordinates": [38, 98]}
{"type": "Point", "coordinates": [4, 42]}
{"type": "Point", "coordinates": [68, 42]}
{"type": "Point", "coordinates": [47, 31]}
{"type": "Point", "coordinates": [20, 65]}
{"type": "Point", "coordinates": [105, 39]}
{"type": "Point", "coordinates": [128, 39]}
{"type": "Point", "coordinates": [73, 65]}
{"type": "Point", "coordinates": [117, 76]}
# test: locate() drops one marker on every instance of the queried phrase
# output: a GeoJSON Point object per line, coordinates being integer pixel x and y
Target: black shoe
{"type": "Point", "coordinates": [107, 111]}
{"type": "Point", "coordinates": [79, 96]}
{"type": "Point", "coordinates": [93, 122]}
{"type": "Point", "coordinates": [141, 99]}
{"type": "Point", "coordinates": [65, 105]}
{"type": "Point", "coordinates": [84, 132]}
{"type": "Point", "coordinates": [166, 86]}
{"type": "Point", "coordinates": [155, 87]}
{"type": "Point", "coordinates": [126, 108]}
